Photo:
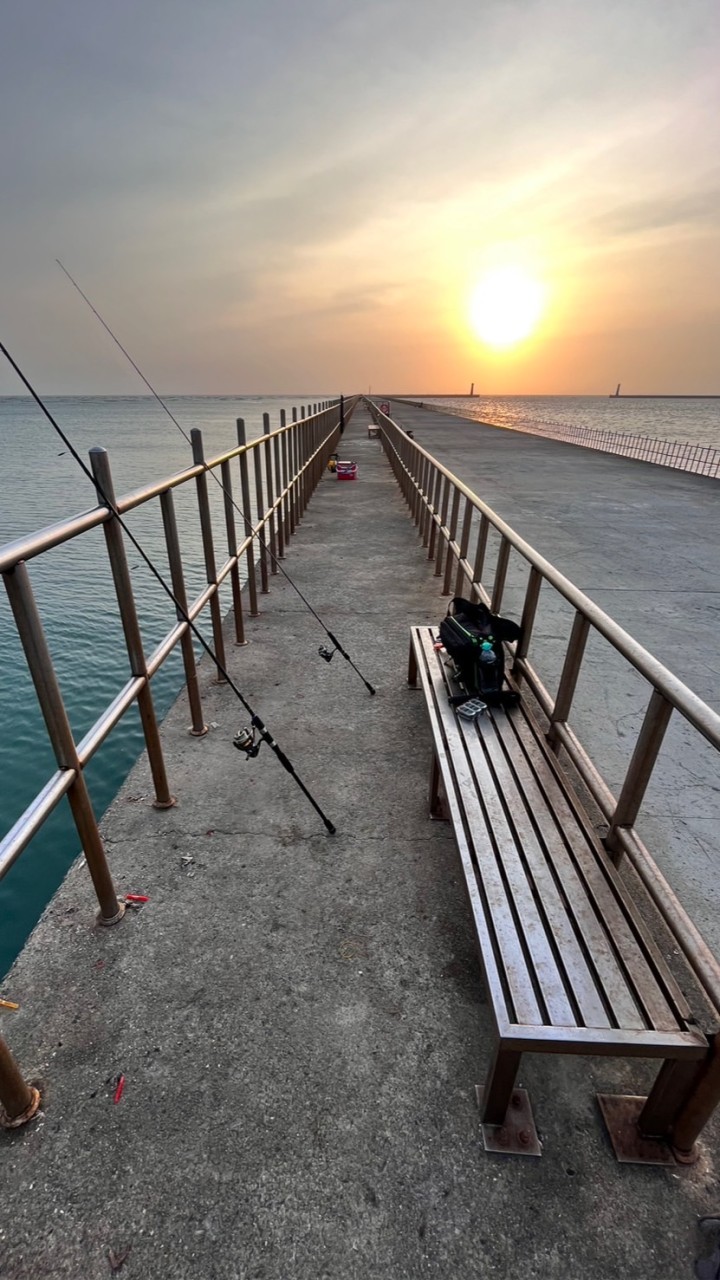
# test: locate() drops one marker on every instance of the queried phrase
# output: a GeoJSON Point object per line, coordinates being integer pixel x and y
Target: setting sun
{"type": "Point", "coordinates": [506, 306]}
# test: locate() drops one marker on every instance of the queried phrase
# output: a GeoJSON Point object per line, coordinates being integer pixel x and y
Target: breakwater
{"type": "Point", "coordinates": [299, 1018]}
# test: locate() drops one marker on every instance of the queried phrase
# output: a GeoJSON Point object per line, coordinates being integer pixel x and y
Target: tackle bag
{"type": "Point", "coordinates": [473, 637]}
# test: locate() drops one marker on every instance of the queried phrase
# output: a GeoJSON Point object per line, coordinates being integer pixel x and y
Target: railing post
{"type": "Point", "coordinates": [19, 1101]}
{"type": "Point", "coordinates": [441, 542]}
{"type": "Point", "coordinates": [279, 513]}
{"type": "Point", "coordinates": [247, 516]}
{"type": "Point", "coordinates": [500, 575]}
{"type": "Point", "coordinates": [569, 677]}
{"type": "Point", "coordinates": [452, 530]}
{"type": "Point", "coordinates": [287, 501]}
{"type": "Point", "coordinates": [100, 464]}
{"type": "Point", "coordinates": [260, 506]}
{"type": "Point", "coordinates": [649, 742]}
{"type": "Point", "coordinates": [463, 549]}
{"type": "Point", "coordinates": [434, 500]}
{"type": "Point", "coordinates": [37, 654]}
{"type": "Point", "coordinates": [480, 549]}
{"type": "Point", "coordinates": [198, 728]}
{"type": "Point", "coordinates": [232, 549]}
{"type": "Point", "coordinates": [532, 595]}
{"type": "Point", "coordinates": [208, 550]}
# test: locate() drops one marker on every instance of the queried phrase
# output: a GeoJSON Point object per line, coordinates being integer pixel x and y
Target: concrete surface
{"type": "Point", "coordinates": [300, 1018]}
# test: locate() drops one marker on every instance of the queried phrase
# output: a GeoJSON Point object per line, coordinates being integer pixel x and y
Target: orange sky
{"type": "Point", "coordinates": [281, 198]}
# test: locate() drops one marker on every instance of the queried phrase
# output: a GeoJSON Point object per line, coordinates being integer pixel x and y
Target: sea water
{"type": "Point", "coordinates": [40, 483]}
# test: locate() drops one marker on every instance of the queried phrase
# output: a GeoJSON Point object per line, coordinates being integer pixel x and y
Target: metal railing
{"type": "Point", "coordinates": [287, 464]}
{"type": "Point", "coordinates": [454, 525]}
{"type": "Point", "coordinates": [682, 455]}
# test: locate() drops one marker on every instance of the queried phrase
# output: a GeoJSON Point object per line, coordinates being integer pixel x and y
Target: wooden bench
{"type": "Point", "coordinates": [569, 965]}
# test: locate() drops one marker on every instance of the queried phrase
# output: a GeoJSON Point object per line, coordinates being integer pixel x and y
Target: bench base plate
{"type": "Point", "coordinates": [621, 1113]}
{"type": "Point", "coordinates": [518, 1135]}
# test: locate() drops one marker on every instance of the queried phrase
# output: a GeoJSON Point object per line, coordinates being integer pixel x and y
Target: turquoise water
{"type": "Point", "coordinates": [40, 483]}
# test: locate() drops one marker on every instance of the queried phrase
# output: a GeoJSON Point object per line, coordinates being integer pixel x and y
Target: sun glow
{"type": "Point", "coordinates": [506, 306]}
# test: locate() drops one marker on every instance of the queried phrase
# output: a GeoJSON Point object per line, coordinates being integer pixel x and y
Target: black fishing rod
{"type": "Point", "coordinates": [246, 740]}
{"type": "Point", "coordinates": [327, 654]}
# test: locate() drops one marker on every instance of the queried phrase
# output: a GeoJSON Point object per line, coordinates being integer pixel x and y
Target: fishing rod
{"type": "Point", "coordinates": [247, 739]}
{"type": "Point", "coordinates": [327, 654]}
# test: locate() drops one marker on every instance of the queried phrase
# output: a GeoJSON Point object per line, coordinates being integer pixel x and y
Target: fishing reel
{"type": "Point", "coordinates": [246, 740]}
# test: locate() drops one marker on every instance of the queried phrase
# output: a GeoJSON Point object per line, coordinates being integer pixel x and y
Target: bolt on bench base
{"type": "Point", "coordinates": [621, 1113]}
{"type": "Point", "coordinates": [517, 1134]}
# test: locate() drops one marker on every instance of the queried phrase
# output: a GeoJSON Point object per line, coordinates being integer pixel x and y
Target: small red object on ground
{"type": "Point", "coordinates": [136, 897]}
{"type": "Point", "coordinates": [119, 1089]}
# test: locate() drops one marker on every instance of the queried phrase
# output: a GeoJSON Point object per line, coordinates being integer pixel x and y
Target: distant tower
{"type": "Point", "coordinates": [617, 390]}
{"type": "Point", "coordinates": [472, 388]}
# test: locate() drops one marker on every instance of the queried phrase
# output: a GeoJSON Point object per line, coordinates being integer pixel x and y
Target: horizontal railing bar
{"type": "Point", "coordinates": [30, 822]}
{"type": "Point", "coordinates": [98, 732]}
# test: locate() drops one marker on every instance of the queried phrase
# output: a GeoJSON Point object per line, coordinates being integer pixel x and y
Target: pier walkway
{"type": "Point", "coordinates": [300, 1018]}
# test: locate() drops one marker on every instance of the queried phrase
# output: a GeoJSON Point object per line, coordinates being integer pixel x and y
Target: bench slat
{"type": "Point", "coordinates": [628, 941]}
{"type": "Point", "coordinates": [567, 911]}
{"type": "Point", "coordinates": [665, 978]}
{"type": "Point", "coordinates": [595, 942]}
{"type": "Point", "coordinates": [501, 955]}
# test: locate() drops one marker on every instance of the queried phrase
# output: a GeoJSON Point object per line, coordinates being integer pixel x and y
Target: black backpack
{"type": "Point", "coordinates": [473, 636]}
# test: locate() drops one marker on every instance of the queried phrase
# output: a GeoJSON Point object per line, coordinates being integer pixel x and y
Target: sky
{"type": "Point", "coordinates": [282, 197]}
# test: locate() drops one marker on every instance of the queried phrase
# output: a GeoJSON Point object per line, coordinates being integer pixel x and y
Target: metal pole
{"type": "Point", "coordinates": [648, 745]}
{"type": "Point", "coordinates": [19, 1101]}
{"type": "Point", "coordinates": [279, 513]}
{"type": "Point", "coordinates": [100, 463]}
{"type": "Point", "coordinates": [198, 729]}
{"type": "Point", "coordinates": [209, 550]}
{"type": "Point", "coordinates": [263, 555]}
{"type": "Point", "coordinates": [232, 549]}
{"type": "Point", "coordinates": [245, 490]}
{"type": "Point", "coordinates": [37, 654]}
{"type": "Point", "coordinates": [569, 677]}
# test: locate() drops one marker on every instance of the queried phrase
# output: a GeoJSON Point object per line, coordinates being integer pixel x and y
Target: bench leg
{"type": "Point", "coordinates": [698, 1106]}
{"type": "Point", "coordinates": [506, 1115]}
{"type": "Point", "coordinates": [674, 1082]}
{"type": "Point", "coordinates": [438, 807]}
{"type": "Point", "coordinates": [499, 1085]}
{"type": "Point", "coordinates": [663, 1127]}
{"type": "Point", "coordinates": [412, 667]}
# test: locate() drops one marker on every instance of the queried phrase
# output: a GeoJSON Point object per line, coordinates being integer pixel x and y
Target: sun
{"type": "Point", "coordinates": [506, 306]}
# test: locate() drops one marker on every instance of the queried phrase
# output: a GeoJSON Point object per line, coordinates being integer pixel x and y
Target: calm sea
{"type": "Point", "coordinates": [40, 483]}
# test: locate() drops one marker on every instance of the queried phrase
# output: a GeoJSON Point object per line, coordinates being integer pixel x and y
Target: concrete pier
{"type": "Point", "coordinates": [299, 1018]}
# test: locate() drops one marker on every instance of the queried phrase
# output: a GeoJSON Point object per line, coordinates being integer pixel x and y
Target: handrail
{"type": "Point", "coordinates": [682, 698]}
{"type": "Point", "coordinates": [34, 544]}
{"type": "Point", "coordinates": [427, 486]}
